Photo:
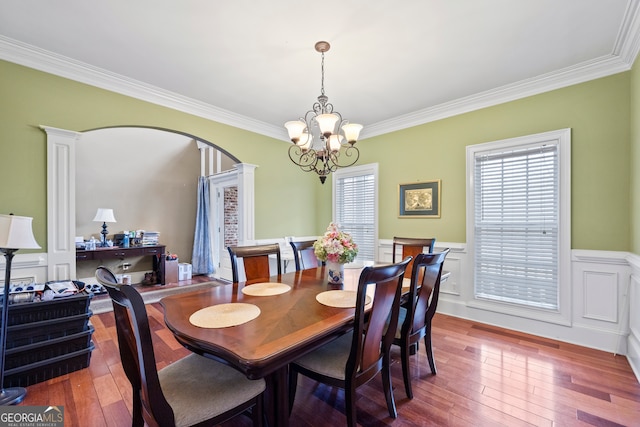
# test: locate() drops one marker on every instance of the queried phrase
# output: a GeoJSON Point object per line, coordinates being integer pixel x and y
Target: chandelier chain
{"type": "Point", "coordinates": [322, 73]}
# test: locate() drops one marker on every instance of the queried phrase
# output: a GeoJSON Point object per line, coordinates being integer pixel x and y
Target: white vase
{"type": "Point", "coordinates": [335, 273]}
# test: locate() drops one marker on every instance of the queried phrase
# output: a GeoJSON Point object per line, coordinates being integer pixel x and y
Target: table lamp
{"type": "Point", "coordinates": [104, 215]}
{"type": "Point", "coordinates": [15, 233]}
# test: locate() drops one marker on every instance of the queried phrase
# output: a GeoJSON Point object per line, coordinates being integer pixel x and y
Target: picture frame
{"type": "Point", "coordinates": [419, 199]}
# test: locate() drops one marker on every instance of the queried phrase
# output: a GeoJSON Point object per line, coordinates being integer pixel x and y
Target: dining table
{"type": "Point", "coordinates": [283, 326]}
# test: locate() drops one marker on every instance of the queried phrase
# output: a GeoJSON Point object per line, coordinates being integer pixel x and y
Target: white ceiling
{"type": "Point", "coordinates": [252, 64]}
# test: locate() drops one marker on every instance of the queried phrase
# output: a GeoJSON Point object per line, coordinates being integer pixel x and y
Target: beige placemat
{"type": "Point", "coordinates": [224, 315]}
{"type": "Point", "coordinates": [266, 289]}
{"type": "Point", "coordinates": [339, 299]}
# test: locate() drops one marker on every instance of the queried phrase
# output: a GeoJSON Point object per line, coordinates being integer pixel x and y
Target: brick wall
{"type": "Point", "coordinates": [230, 216]}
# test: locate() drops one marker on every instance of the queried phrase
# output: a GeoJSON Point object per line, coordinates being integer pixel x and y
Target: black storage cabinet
{"type": "Point", "coordinates": [46, 339]}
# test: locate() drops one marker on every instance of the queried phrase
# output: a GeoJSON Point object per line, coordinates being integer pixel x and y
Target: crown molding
{"type": "Point", "coordinates": [627, 43]}
{"type": "Point", "coordinates": [625, 51]}
{"type": "Point", "coordinates": [580, 73]}
{"type": "Point", "coordinates": [33, 57]}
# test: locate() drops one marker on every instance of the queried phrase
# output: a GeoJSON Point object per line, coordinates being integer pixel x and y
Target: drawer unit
{"type": "Point", "coordinates": [156, 252]}
{"type": "Point", "coordinates": [33, 373]}
{"type": "Point", "coordinates": [46, 339]}
{"type": "Point", "coordinates": [29, 354]}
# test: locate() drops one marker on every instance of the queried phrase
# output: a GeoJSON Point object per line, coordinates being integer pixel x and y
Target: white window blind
{"type": "Point", "coordinates": [516, 223]}
{"type": "Point", "coordinates": [355, 209]}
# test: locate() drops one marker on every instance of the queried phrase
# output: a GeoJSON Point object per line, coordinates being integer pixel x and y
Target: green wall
{"type": "Point", "coordinates": [29, 98]}
{"type": "Point", "coordinates": [634, 195]}
{"type": "Point", "coordinates": [290, 202]}
{"type": "Point", "coordinates": [596, 111]}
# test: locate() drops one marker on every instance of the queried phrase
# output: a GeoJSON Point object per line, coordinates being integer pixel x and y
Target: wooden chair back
{"type": "Point", "coordinates": [256, 261]}
{"type": "Point", "coordinates": [420, 308]}
{"type": "Point", "coordinates": [304, 255]}
{"type": "Point", "coordinates": [424, 290]}
{"type": "Point", "coordinates": [105, 276]}
{"type": "Point", "coordinates": [136, 351]}
{"type": "Point", "coordinates": [411, 246]}
{"type": "Point", "coordinates": [374, 329]}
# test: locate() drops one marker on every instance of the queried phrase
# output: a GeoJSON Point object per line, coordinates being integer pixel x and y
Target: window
{"type": "Point", "coordinates": [519, 236]}
{"type": "Point", "coordinates": [355, 207]}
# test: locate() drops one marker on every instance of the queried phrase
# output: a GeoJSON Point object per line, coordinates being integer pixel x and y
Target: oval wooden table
{"type": "Point", "coordinates": [289, 325]}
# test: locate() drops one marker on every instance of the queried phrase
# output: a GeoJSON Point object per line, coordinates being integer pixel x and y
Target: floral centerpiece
{"type": "Point", "coordinates": [336, 248]}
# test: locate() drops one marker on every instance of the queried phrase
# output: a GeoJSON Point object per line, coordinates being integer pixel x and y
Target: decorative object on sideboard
{"type": "Point", "coordinates": [322, 136]}
{"type": "Point", "coordinates": [104, 215]}
{"type": "Point", "coordinates": [15, 233]}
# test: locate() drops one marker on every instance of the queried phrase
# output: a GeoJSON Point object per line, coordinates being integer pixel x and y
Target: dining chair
{"type": "Point", "coordinates": [304, 255]}
{"type": "Point", "coordinates": [191, 391]}
{"type": "Point", "coordinates": [105, 276]}
{"type": "Point", "coordinates": [411, 246]}
{"type": "Point", "coordinates": [414, 320]}
{"type": "Point", "coordinates": [356, 357]}
{"type": "Point", "coordinates": [255, 259]}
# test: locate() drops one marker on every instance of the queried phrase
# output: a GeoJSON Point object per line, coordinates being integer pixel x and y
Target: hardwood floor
{"type": "Point", "coordinates": [487, 376]}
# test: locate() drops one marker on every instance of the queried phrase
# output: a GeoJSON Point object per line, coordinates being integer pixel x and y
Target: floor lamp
{"type": "Point", "coordinates": [15, 233]}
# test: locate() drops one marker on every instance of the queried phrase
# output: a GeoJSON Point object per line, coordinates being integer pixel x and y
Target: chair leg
{"type": "Point", "coordinates": [406, 373]}
{"type": "Point", "coordinates": [138, 420]}
{"type": "Point", "coordinates": [413, 349]}
{"type": "Point", "coordinates": [257, 412]}
{"type": "Point", "coordinates": [386, 384]}
{"type": "Point", "coordinates": [429, 350]}
{"type": "Point", "coordinates": [293, 385]}
{"type": "Point", "coordinates": [350, 404]}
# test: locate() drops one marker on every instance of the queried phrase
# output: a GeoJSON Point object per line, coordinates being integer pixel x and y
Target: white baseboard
{"type": "Point", "coordinates": [633, 355]}
{"type": "Point", "coordinates": [583, 335]}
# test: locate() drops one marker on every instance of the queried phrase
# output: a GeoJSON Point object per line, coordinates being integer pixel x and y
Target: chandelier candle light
{"type": "Point", "coordinates": [336, 248]}
{"type": "Point", "coordinates": [322, 136]}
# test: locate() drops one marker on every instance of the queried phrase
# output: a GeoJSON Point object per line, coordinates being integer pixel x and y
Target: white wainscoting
{"type": "Point", "coordinates": [633, 308]}
{"type": "Point", "coordinates": [30, 267]}
{"type": "Point", "coordinates": [603, 294]}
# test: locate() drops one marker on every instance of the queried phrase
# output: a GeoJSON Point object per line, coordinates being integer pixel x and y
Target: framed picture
{"type": "Point", "coordinates": [419, 200]}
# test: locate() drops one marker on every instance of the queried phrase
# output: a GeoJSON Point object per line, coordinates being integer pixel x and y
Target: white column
{"type": "Point", "coordinates": [61, 203]}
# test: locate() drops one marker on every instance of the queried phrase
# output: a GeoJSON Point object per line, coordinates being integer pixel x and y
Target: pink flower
{"type": "Point", "coordinates": [335, 246]}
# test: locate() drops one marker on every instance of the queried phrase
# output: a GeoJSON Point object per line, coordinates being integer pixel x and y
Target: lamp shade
{"type": "Point", "coordinates": [352, 132]}
{"type": "Point", "coordinates": [104, 215]}
{"type": "Point", "coordinates": [16, 233]}
{"type": "Point", "coordinates": [295, 128]}
{"type": "Point", "coordinates": [327, 123]}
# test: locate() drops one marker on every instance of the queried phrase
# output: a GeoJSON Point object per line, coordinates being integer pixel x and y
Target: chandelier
{"type": "Point", "coordinates": [322, 140]}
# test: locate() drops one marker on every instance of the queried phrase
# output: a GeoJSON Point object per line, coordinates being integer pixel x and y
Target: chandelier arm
{"type": "Point", "coordinates": [305, 159]}
{"type": "Point", "coordinates": [350, 151]}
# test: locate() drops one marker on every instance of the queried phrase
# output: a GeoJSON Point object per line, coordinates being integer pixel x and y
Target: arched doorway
{"type": "Point", "coordinates": [62, 150]}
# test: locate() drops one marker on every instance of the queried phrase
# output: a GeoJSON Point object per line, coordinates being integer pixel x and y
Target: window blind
{"type": "Point", "coordinates": [355, 211]}
{"type": "Point", "coordinates": [516, 196]}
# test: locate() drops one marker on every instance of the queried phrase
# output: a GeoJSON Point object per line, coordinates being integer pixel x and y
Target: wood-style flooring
{"type": "Point", "coordinates": [487, 376]}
